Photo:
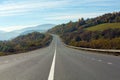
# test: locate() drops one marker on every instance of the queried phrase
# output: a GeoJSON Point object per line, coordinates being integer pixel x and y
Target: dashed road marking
{"type": "Point", "coordinates": [15, 59]}
{"type": "Point", "coordinates": [6, 62]}
{"type": "Point", "coordinates": [100, 60]}
{"type": "Point", "coordinates": [109, 63]}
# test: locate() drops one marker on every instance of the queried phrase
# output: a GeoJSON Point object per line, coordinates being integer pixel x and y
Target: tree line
{"type": "Point", "coordinates": [75, 33]}
{"type": "Point", "coordinates": [106, 39]}
{"type": "Point", "coordinates": [25, 43]}
{"type": "Point", "coordinates": [82, 23]}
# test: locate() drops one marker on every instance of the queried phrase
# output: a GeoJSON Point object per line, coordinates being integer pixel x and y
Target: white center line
{"type": "Point", "coordinates": [51, 74]}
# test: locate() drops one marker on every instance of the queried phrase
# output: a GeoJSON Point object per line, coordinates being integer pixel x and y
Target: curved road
{"type": "Point", "coordinates": [58, 62]}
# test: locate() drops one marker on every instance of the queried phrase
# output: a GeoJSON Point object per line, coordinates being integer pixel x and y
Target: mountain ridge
{"type": "Point", "coordinates": [15, 33]}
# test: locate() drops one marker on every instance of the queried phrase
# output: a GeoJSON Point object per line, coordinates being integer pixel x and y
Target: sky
{"type": "Point", "coordinates": [18, 14]}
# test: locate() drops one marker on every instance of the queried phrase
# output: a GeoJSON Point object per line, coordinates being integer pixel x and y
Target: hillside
{"type": "Point", "coordinates": [102, 32]}
{"type": "Point", "coordinates": [104, 26]}
{"type": "Point", "coordinates": [81, 23]}
{"type": "Point", "coordinates": [25, 43]}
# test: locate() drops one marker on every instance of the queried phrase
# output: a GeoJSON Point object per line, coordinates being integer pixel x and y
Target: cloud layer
{"type": "Point", "coordinates": [27, 12]}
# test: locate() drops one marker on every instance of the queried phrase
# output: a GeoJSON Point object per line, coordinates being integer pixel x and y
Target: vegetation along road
{"type": "Point", "coordinates": [58, 62]}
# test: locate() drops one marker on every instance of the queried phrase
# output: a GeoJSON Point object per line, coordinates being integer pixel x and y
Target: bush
{"type": "Point", "coordinates": [25, 43]}
{"type": "Point", "coordinates": [98, 44]}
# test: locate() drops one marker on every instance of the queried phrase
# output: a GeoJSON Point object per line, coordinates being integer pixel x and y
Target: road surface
{"type": "Point", "coordinates": [58, 62]}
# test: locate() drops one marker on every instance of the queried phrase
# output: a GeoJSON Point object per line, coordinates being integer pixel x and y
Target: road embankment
{"type": "Point", "coordinates": [103, 51]}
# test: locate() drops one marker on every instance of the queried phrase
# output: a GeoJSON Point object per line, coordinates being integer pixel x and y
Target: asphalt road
{"type": "Point", "coordinates": [58, 62]}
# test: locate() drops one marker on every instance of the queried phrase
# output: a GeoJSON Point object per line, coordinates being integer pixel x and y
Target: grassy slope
{"type": "Point", "coordinates": [102, 27]}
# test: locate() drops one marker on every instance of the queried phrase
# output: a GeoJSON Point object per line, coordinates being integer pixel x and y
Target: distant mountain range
{"type": "Point", "coordinates": [13, 34]}
{"type": "Point", "coordinates": [30, 31]}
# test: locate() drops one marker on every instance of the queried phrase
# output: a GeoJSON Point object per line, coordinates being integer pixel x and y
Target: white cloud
{"type": "Point", "coordinates": [12, 28]}
{"type": "Point", "coordinates": [14, 7]}
{"type": "Point", "coordinates": [63, 16]}
{"type": "Point", "coordinates": [19, 8]}
{"type": "Point", "coordinates": [95, 3]}
{"type": "Point", "coordinates": [29, 5]}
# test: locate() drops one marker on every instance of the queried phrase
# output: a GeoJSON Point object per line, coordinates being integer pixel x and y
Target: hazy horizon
{"type": "Point", "coordinates": [10, 28]}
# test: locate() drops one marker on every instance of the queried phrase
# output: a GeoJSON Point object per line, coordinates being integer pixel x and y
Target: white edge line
{"type": "Point", "coordinates": [51, 74]}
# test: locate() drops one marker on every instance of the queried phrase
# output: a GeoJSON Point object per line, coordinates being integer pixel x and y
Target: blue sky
{"type": "Point", "coordinates": [18, 14]}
